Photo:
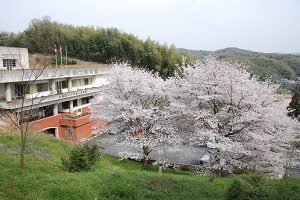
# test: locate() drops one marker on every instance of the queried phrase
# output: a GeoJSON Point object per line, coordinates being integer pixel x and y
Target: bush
{"type": "Point", "coordinates": [248, 187]}
{"type": "Point", "coordinates": [285, 190]}
{"type": "Point", "coordinates": [69, 61]}
{"type": "Point", "coordinates": [81, 158]}
{"type": "Point", "coordinates": [257, 186]}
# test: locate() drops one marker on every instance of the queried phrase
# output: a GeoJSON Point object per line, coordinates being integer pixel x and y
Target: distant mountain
{"type": "Point", "coordinates": [195, 52]}
{"type": "Point", "coordinates": [234, 51]}
{"type": "Point", "coordinates": [265, 65]}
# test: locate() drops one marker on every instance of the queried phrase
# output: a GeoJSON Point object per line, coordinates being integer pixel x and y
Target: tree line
{"type": "Point", "coordinates": [89, 43]}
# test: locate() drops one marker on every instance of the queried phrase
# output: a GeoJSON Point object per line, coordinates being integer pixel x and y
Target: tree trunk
{"type": "Point", "coordinates": [145, 155]}
{"type": "Point", "coordinates": [23, 148]}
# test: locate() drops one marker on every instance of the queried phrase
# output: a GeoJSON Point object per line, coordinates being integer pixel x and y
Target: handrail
{"type": "Point", "coordinates": [46, 74]}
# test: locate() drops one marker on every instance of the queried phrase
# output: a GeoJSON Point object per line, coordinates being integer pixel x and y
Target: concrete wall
{"type": "Point", "coordinates": [19, 54]}
{"type": "Point", "coordinates": [2, 90]}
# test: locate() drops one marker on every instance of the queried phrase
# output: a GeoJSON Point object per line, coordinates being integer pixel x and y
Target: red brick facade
{"type": "Point", "coordinates": [81, 127]}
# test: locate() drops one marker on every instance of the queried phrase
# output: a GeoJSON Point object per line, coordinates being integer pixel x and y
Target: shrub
{"type": "Point", "coordinates": [69, 61]}
{"type": "Point", "coordinates": [81, 158]}
{"type": "Point", "coordinates": [285, 190]}
{"type": "Point", "coordinates": [242, 170]}
{"type": "Point", "coordinates": [257, 186]}
{"type": "Point", "coordinates": [248, 187]}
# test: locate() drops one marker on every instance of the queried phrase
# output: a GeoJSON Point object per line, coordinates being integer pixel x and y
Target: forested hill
{"type": "Point", "coordinates": [103, 45]}
{"type": "Point", "coordinates": [265, 65]}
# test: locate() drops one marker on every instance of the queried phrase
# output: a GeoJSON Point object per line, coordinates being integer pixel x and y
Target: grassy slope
{"type": "Point", "coordinates": [44, 178]}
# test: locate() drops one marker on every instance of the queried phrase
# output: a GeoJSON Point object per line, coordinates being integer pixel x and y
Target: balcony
{"type": "Point", "coordinates": [51, 99]}
{"type": "Point", "coordinates": [40, 74]}
{"type": "Point", "coordinates": [74, 120]}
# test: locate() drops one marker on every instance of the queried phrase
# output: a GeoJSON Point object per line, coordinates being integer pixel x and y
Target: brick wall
{"type": "Point", "coordinates": [81, 127]}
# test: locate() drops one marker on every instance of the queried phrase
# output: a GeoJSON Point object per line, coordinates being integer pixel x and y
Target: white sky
{"type": "Point", "coordinates": [259, 25]}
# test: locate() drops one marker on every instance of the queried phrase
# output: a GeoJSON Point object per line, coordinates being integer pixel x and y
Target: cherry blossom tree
{"type": "Point", "coordinates": [244, 116]}
{"type": "Point", "coordinates": [212, 101]}
{"type": "Point", "coordinates": [136, 103]}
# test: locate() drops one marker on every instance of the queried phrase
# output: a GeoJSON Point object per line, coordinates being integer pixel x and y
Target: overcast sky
{"type": "Point", "coordinates": [259, 25]}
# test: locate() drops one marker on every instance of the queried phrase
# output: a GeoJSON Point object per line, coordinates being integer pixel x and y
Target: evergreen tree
{"type": "Point", "coordinates": [294, 105]}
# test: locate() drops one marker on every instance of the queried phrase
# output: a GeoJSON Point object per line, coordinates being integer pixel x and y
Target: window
{"type": "Point", "coordinates": [74, 83]}
{"type": "Point", "coordinates": [65, 105]}
{"type": "Point", "coordinates": [69, 133]}
{"type": "Point", "coordinates": [19, 90]}
{"type": "Point", "coordinates": [9, 62]}
{"type": "Point", "coordinates": [85, 100]}
{"type": "Point", "coordinates": [75, 104]}
{"type": "Point", "coordinates": [80, 82]}
{"type": "Point", "coordinates": [42, 87]}
{"type": "Point", "coordinates": [59, 85]}
{"type": "Point", "coordinates": [86, 81]}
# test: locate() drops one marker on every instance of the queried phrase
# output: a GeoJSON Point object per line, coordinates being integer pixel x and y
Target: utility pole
{"type": "Point", "coordinates": [60, 51]}
{"type": "Point", "coordinates": [55, 50]}
{"type": "Point", "coordinates": [66, 55]}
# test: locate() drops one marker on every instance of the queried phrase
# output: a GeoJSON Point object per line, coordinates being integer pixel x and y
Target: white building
{"type": "Point", "coordinates": [56, 100]}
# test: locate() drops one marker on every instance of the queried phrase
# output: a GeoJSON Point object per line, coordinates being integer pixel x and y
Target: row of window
{"type": "Point", "coordinates": [20, 89]}
{"type": "Point", "coordinates": [43, 87]}
{"type": "Point", "coordinates": [81, 82]}
{"type": "Point", "coordinates": [76, 102]}
{"type": "Point", "coordinates": [59, 85]}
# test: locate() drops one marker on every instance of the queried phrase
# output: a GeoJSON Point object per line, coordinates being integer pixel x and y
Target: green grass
{"type": "Point", "coordinates": [45, 178]}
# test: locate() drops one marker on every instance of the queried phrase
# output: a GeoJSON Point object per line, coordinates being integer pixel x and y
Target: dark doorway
{"type": "Point", "coordinates": [50, 131]}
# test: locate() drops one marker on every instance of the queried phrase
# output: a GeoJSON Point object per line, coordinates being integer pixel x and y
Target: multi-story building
{"type": "Point", "coordinates": [56, 101]}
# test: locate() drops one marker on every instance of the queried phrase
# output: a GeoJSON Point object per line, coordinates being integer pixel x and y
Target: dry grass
{"type": "Point", "coordinates": [37, 61]}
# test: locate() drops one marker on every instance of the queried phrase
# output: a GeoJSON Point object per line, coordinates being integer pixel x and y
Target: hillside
{"type": "Point", "coordinates": [45, 178]}
{"type": "Point", "coordinates": [265, 65]}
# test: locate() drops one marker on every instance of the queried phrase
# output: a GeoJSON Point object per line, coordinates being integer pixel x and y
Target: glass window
{"type": "Point", "coordinates": [33, 89]}
{"type": "Point", "coordinates": [79, 102]}
{"type": "Point", "coordinates": [86, 81]}
{"type": "Point", "coordinates": [74, 83]}
{"type": "Point", "coordinates": [81, 82]}
{"type": "Point", "coordinates": [9, 62]}
{"type": "Point", "coordinates": [59, 85]}
{"type": "Point", "coordinates": [69, 133]}
{"type": "Point", "coordinates": [19, 90]}
{"type": "Point", "coordinates": [75, 104]}
{"type": "Point", "coordinates": [42, 87]}
{"type": "Point", "coordinates": [85, 100]}
{"type": "Point", "coordinates": [65, 105]}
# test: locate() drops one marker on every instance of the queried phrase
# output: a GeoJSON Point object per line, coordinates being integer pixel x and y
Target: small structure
{"type": "Point", "coordinates": [12, 58]}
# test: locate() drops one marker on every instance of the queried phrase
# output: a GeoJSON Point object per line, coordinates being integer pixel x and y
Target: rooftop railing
{"type": "Point", "coordinates": [44, 74]}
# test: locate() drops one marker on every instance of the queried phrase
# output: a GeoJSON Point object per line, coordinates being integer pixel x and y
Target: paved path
{"type": "Point", "coordinates": [186, 154]}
